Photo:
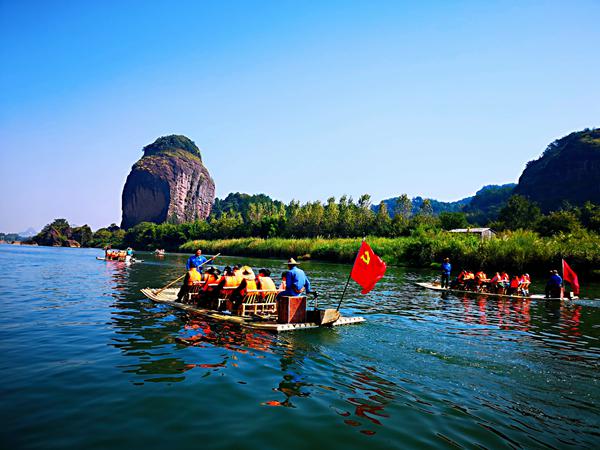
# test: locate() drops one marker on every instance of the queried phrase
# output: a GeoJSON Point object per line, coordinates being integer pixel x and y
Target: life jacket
{"type": "Point", "coordinates": [515, 282]}
{"type": "Point", "coordinates": [481, 275]}
{"type": "Point", "coordinates": [231, 281]}
{"type": "Point", "coordinates": [469, 276]}
{"type": "Point", "coordinates": [526, 279]}
{"type": "Point", "coordinates": [250, 286]}
{"type": "Point", "coordinates": [194, 277]}
{"type": "Point", "coordinates": [461, 276]}
{"type": "Point", "coordinates": [504, 276]}
{"type": "Point", "coordinates": [267, 284]}
{"type": "Point", "coordinates": [496, 278]}
{"type": "Point", "coordinates": [209, 279]}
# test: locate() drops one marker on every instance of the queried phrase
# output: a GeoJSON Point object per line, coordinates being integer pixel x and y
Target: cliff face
{"type": "Point", "coordinates": [568, 170]}
{"type": "Point", "coordinates": [169, 183]}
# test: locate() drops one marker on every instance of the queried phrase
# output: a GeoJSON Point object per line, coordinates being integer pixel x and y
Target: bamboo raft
{"type": "Point", "coordinates": [269, 323]}
{"type": "Point", "coordinates": [131, 261]}
{"type": "Point", "coordinates": [437, 287]}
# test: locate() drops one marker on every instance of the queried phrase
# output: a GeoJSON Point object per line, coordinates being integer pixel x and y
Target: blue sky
{"type": "Point", "coordinates": [298, 100]}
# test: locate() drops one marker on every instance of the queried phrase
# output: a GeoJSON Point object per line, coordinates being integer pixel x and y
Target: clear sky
{"type": "Point", "coordinates": [296, 99]}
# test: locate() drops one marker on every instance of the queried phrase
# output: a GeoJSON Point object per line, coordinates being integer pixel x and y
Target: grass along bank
{"type": "Point", "coordinates": [513, 250]}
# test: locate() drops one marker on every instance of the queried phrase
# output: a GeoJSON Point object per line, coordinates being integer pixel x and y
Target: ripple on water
{"type": "Point", "coordinates": [83, 351]}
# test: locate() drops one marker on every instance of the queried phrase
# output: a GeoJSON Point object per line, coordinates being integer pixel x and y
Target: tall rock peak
{"type": "Point", "coordinates": [568, 170]}
{"type": "Point", "coordinates": [169, 183]}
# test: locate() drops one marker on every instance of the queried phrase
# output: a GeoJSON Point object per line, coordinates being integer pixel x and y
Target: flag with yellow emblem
{"type": "Point", "coordinates": [368, 268]}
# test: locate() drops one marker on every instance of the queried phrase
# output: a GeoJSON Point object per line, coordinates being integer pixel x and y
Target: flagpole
{"type": "Point", "coordinates": [348, 281]}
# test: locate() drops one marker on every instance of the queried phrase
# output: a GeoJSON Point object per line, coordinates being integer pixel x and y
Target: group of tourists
{"type": "Point", "coordinates": [210, 285]}
{"type": "Point", "coordinates": [501, 283]}
{"type": "Point", "coordinates": [118, 255]}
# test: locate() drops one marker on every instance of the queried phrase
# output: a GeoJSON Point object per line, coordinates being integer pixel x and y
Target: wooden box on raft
{"type": "Point", "coordinates": [291, 310]}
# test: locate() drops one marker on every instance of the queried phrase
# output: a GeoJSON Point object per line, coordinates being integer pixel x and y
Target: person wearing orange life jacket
{"type": "Point", "coordinates": [226, 285]}
{"type": "Point", "coordinates": [264, 282]}
{"type": "Point", "coordinates": [192, 278]}
{"type": "Point", "coordinates": [504, 282]}
{"type": "Point", "coordinates": [525, 282]}
{"type": "Point", "coordinates": [480, 279]}
{"type": "Point", "coordinates": [513, 288]}
{"type": "Point", "coordinates": [495, 281]}
{"type": "Point", "coordinates": [248, 284]}
{"type": "Point", "coordinates": [469, 280]}
{"type": "Point", "coordinates": [210, 279]}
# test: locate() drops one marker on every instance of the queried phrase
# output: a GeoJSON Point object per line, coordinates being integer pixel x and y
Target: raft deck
{"type": "Point", "coordinates": [436, 287]}
{"type": "Point", "coordinates": [169, 297]}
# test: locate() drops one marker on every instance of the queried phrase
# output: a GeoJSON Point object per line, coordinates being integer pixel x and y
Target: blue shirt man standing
{"type": "Point", "coordinates": [197, 259]}
{"type": "Point", "coordinates": [296, 281]}
{"type": "Point", "coordinates": [446, 269]}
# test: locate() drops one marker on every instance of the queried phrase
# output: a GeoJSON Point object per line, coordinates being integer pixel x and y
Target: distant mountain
{"type": "Point", "coordinates": [568, 170]}
{"type": "Point", "coordinates": [480, 208]}
{"type": "Point", "coordinates": [487, 203]}
{"type": "Point", "coordinates": [437, 206]}
{"type": "Point", "coordinates": [28, 232]}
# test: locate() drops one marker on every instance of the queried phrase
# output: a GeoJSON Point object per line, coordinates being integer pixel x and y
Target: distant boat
{"type": "Point", "coordinates": [159, 252]}
{"type": "Point", "coordinates": [437, 287]}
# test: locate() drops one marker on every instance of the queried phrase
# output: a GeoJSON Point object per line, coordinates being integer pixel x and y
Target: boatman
{"type": "Point", "coordinates": [197, 259]}
{"type": "Point", "coordinates": [446, 269]}
{"type": "Point", "coordinates": [554, 285]}
{"type": "Point", "coordinates": [296, 281]}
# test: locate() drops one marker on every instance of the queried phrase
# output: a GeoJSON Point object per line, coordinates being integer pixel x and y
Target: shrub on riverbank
{"type": "Point", "coordinates": [513, 251]}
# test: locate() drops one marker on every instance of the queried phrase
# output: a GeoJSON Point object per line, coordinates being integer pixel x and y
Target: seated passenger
{"type": "Point", "coordinates": [469, 280]}
{"type": "Point", "coordinates": [513, 288]}
{"type": "Point", "coordinates": [192, 278]}
{"type": "Point", "coordinates": [480, 280]}
{"type": "Point", "coordinates": [283, 277]}
{"type": "Point", "coordinates": [525, 282]}
{"type": "Point", "coordinates": [264, 282]}
{"type": "Point", "coordinates": [504, 282]}
{"type": "Point", "coordinates": [495, 282]}
{"type": "Point", "coordinates": [248, 284]}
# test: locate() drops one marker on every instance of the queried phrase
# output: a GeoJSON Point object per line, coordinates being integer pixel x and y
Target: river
{"type": "Point", "coordinates": [88, 362]}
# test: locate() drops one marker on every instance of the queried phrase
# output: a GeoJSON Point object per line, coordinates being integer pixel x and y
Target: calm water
{"type": "Point", "coordinates": [88, 362]}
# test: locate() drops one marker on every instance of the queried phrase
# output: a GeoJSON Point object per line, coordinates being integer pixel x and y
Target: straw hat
{"type": "Point", "coordinates": [292, 262]}
{"type": "Point", "coordinates": [247, 272]}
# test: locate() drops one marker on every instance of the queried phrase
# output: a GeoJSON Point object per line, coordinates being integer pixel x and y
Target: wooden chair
{"type": "Point", "coordinates": [259, 302]}
{"type": "Point", "coordinates": [192, 294]}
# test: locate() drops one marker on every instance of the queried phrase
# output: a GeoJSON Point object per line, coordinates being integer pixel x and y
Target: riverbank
{"type": "Point", "coordinates": [513, 251]}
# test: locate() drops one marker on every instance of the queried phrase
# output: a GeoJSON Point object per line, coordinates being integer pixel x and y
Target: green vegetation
{"type": "Point", "coordinates": [513, 250]}
{"type": "Point", "coordinates": [172, 143]}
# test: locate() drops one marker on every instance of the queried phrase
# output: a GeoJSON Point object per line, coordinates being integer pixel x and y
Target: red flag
{"type": "Point", "coordinates": [570, 276]}
{"type": "Point", "coordinates": [368, 268]}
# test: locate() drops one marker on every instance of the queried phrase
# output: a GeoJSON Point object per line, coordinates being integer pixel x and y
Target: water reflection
{"type": "Point", "coordinates": [474, 337]}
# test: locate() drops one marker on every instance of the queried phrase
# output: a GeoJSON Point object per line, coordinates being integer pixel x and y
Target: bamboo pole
{"type": "Point", "coordinates": [182, 276]}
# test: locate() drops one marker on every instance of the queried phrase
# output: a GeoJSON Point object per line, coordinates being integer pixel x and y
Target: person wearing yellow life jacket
{"type": "Point", "coordinates": [192, 278]}
{"type": "Point", "coordinates": [264, 282]}
{"type": "Point", "coordinates": [248, 284]}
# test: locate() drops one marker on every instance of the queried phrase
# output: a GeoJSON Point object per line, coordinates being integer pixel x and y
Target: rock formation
{"type": "Point", "coordinates": [169, 183]}
{"type": "Point", "coordinates": [568, 170]}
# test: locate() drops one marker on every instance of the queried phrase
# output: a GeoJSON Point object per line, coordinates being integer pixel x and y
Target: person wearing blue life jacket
{"type": "Point", "coordinates": [296, 281]}
{"type": "Point", "coordinates": [197, 259]}
{"type": "Point", "coordinates": [446, 269]}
